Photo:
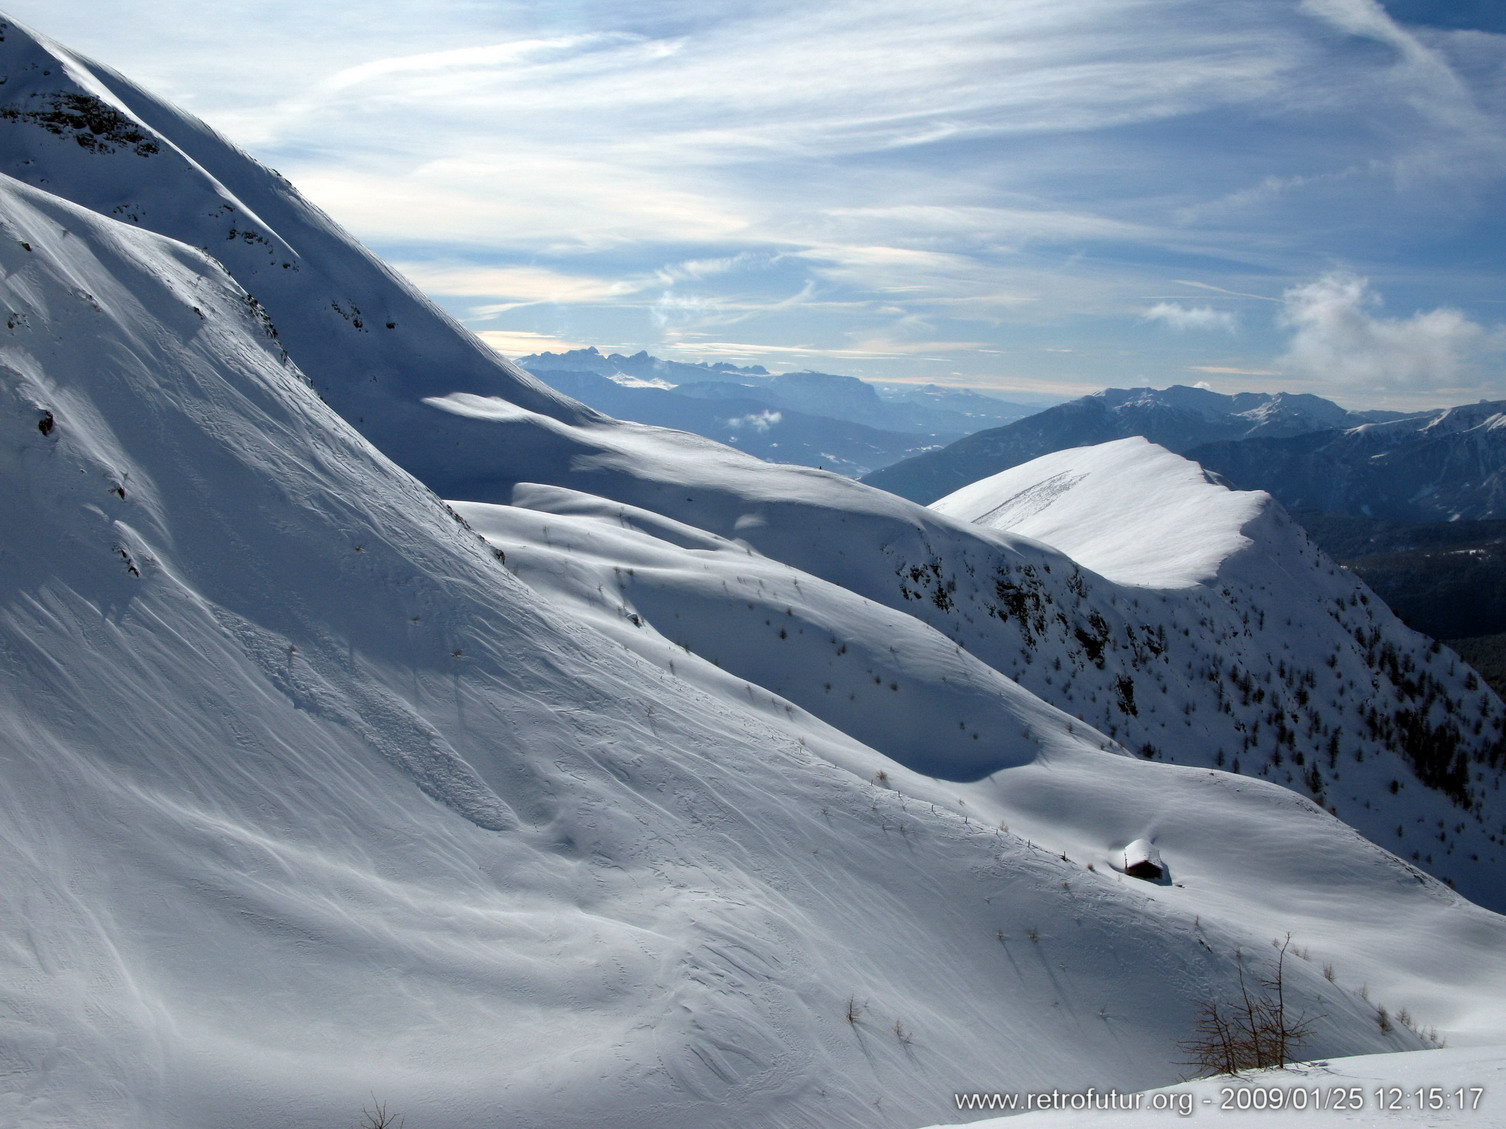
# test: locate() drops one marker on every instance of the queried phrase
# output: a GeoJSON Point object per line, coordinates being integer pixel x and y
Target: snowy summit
{"type": "Point", "coordinates": [1129, 510]}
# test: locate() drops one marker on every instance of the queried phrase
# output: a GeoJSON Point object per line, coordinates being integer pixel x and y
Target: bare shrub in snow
{"type": "Point", "coordinates": [1251, 1030]}
{"type": "Point", "coordinates": [377, 1117]}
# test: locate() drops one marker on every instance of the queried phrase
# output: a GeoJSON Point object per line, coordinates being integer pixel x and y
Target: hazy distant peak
{"type": "Point", "coordinates": [1179, 418]}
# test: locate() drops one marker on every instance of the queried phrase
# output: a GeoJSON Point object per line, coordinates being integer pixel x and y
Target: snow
{"type": "Point", "coordinates": [1171, 527]}
{"type": "Point", "coordinates": [645, 784]}
{"type": "Point", "coordinates": [627, 381]}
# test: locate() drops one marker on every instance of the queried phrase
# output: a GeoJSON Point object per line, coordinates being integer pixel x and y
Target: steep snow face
{"type": "Point", "coordinates": [1130, 510]}
{"type": "Point", "coordinates": [373, 346]}
{"type": "Point", "coordinates": [307, 795]}
{"type": "Point", "coordinates": [311, 792]}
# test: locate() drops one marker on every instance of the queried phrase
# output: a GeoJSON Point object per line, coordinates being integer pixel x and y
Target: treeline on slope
{"type": "Point", "coordinates": [1446, 579]}
{"type": "Point", "coordinates": [1277, 718]}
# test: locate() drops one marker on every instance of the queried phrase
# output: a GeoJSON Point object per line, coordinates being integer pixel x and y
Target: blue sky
{"type": "Point", "coordinates": [1030, 196]}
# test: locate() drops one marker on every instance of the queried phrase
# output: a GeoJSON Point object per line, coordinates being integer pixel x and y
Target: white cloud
{"type": "Point", "coordinates": [672, 308]}
{"type": "Point", "coordinates": [513, 285]}
{"type": "Point", "coordinates": [758, 421]}
{"type": "Point", "coordinates": [908, 274]}
{"type": "Point", "coordinates": [1337, 337]}
{"type": "Point", "coordinates": [980, 224]}
{"type": "Point", "coordinates": [521, 343]}
{"type": "Point", "coordinates": [553, 202]}
{"type": "Point", "coordinates": [1233, 370]}
{"type": "Point", "coordinates": [458, 67]}
{"type": "Point", "coordinates": [1183, 317]}
{"type": "Point", "coordinates": [876, 348]}
{"type": "Point", "coordinates": [698, 270]}
{"type": "Point", "coordinates": [683, 313]}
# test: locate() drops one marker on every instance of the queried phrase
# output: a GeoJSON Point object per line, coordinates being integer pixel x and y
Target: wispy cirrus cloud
{"type": "Point", "coordinates": [516, 285]}
{"type": "Point", "coordinates": [880, 182]}
{"type": "Point", "coordinates": [1230, 370]}
{"type": "Point", "coordinates": [869, 350]}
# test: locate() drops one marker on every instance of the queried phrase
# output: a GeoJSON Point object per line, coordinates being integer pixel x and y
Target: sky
{"type": "Point", "coordinates": [1029, 197]}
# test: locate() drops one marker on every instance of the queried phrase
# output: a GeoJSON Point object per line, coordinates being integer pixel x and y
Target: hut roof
{"type": "Point", "coordinates": [1142, 854]}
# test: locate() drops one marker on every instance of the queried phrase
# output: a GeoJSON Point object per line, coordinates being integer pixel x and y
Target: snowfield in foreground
{"type": "Point", "coordinates": [649, 787]}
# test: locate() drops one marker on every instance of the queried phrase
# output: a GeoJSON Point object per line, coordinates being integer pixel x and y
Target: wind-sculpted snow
{"type": "Point", "coordinates": [1130, 510]}
{"type": "Point", "coordinates": [312, 792]}
{"type": "Point", "coordinates": [777, 637]}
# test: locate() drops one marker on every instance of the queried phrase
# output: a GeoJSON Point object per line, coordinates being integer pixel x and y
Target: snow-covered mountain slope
{"type": "Point", "coordinates": [308, 796]}
{"type": "Point", "coordinates": [1129, 510]}
{"type": "Point", "coordinates": [1240, 683]}
{"type": "Point", "coordinates": [1262, 679]}
{"type": "Point", "coordinates": [373, 346]}
{"type": "Point", "coordinates": [1178, 418]}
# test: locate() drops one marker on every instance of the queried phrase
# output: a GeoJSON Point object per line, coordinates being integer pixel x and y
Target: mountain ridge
{"type": "Point", "coordinates": [266, 720]}
{"type": "Point", "coordinates": [1442, 466]}
{"type": "Point", "coordinates": [815, 419]}
{"type": "Point", "coordinates": [1179, 418]}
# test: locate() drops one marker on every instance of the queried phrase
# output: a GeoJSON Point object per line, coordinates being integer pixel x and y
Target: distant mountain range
{"type": "Point", "coordinates": [1445, 465]}
{"type": "Point", "coordinates": [815, 419]}
{"type": "Point", "coordinates": [1448, 464]}
{"type": "Point", "coordinates": [1179, 418]}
